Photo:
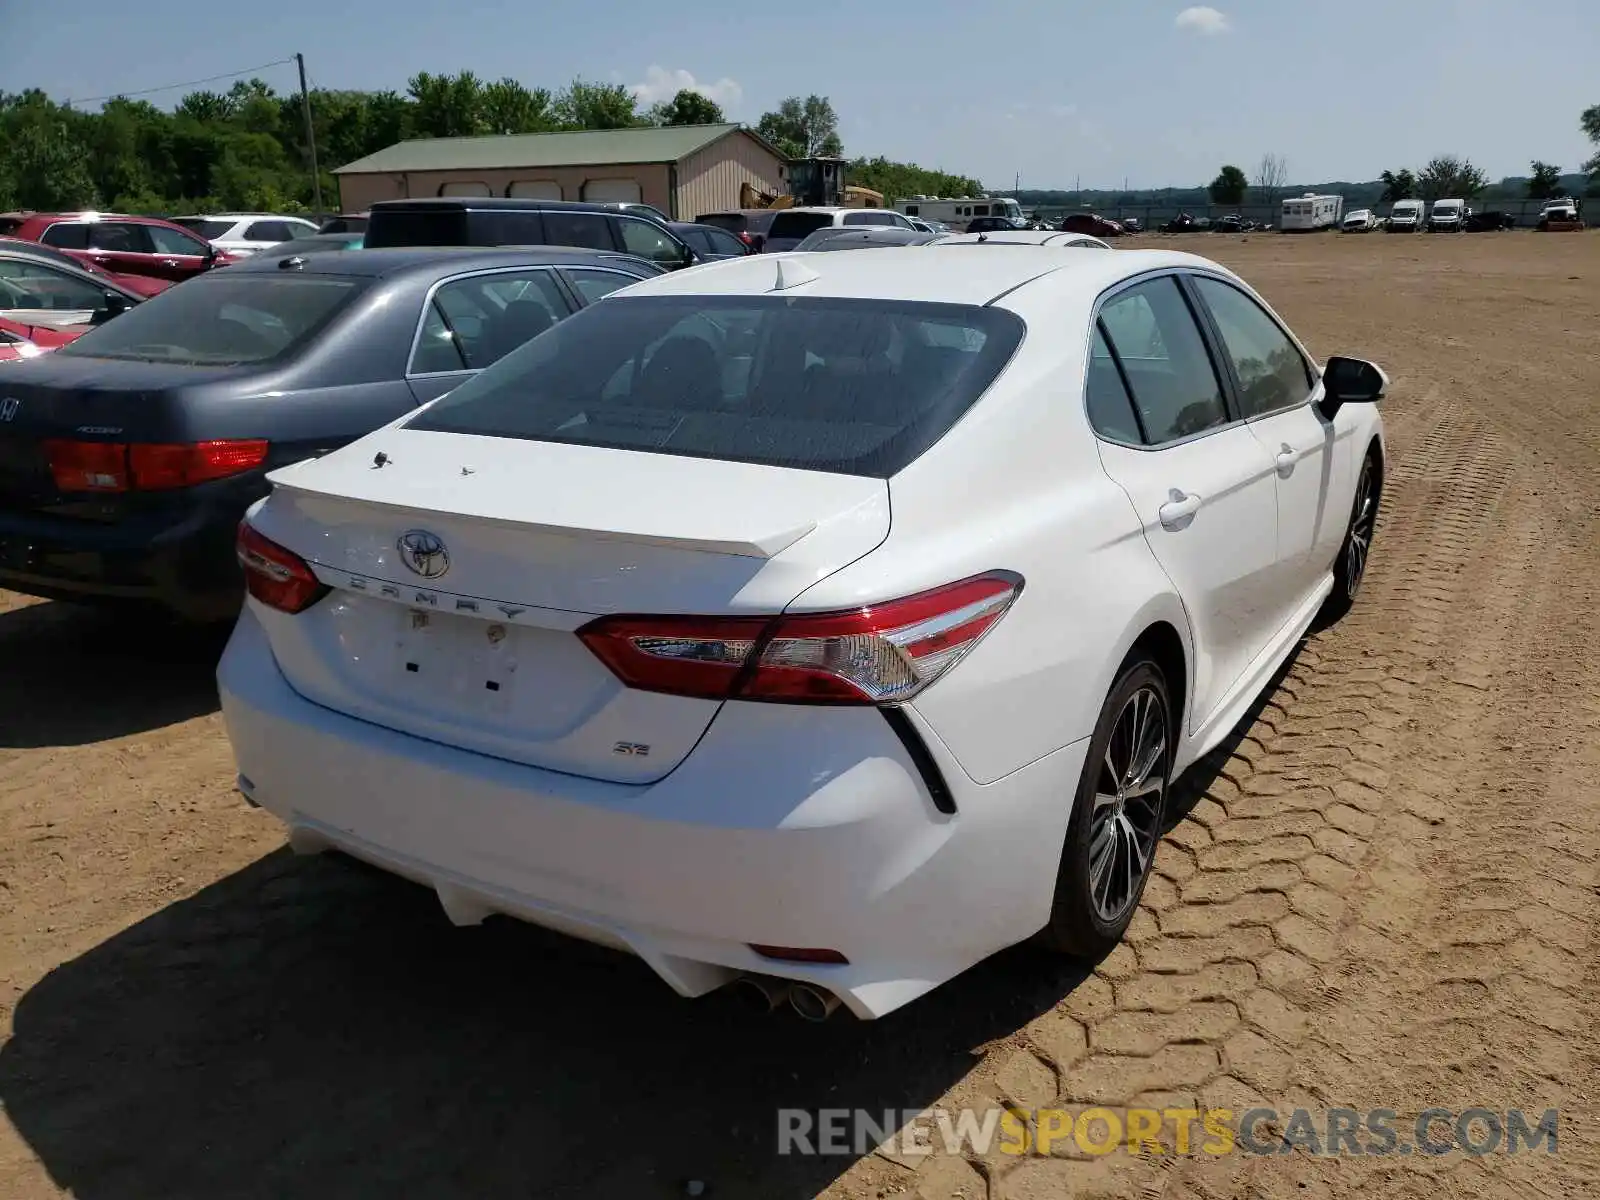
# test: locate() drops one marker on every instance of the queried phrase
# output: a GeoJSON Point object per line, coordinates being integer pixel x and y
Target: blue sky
{"type": "Point", "coordinates": [1150, 92]}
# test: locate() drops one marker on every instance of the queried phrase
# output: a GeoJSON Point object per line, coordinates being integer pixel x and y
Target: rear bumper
{"type": "Point", "coordinates": [787, 826]}
{"type": "Point", "coordinates": [181, 560]}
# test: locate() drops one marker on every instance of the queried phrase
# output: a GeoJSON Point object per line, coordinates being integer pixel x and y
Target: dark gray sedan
{"type": "Point", "coordinates": [128, 457]}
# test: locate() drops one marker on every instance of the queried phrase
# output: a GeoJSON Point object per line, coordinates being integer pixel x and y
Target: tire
{"type": "Point", "coordinates": [1350, 568]}
{"type": "Point", "coordinates": [1092, 909]}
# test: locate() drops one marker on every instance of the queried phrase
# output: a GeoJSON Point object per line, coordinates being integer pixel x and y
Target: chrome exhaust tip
{"type": "Point", "coordinates": [761, 993]}
{"type": "Point", "coordinates": [812, 1003]}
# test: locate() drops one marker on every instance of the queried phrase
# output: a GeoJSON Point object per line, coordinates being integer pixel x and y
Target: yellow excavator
{"type": "Point", "coordinates": [816, 182]}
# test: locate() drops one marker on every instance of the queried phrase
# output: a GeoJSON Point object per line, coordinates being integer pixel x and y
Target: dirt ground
{"type": "Point", "coordinates": [1384, 892]}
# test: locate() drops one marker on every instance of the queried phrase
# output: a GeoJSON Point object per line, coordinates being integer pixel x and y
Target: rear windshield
{"type": "Point", "coordinates": [206, 229]}
{"type": "Point", "coordinates": [222, 319]}
{"type": "Point", "coordinates": [797, 224]}
{"type": "Point", "coordinates": [450, 226]}
{"type": "Point", "coordinates": [857, 387]}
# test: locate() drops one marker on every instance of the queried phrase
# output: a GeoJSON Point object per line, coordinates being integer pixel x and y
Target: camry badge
{"type": "Point", "coordinates": [423, 553]}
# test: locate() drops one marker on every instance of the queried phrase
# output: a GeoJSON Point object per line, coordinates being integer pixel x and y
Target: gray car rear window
{"type": "Point", "coordinates": [850, 386]}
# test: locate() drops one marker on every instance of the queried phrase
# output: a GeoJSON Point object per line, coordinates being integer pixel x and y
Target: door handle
{"type": "Point", "coordinates": [1287, 458]}
{"type": "Point", "coordinates": [169, 262]}
{"type": "Point", "coordinates": [1179, 509]}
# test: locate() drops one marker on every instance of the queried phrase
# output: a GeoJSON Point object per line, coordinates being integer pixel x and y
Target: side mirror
{"type": "Point", "coordinates": [1351, 381]}
{"type": "Point", "coordinates": [115, 304]}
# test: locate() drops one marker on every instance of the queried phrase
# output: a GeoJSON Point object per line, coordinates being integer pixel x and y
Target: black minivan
{"type": "Point", "coordinates": [497, 221]}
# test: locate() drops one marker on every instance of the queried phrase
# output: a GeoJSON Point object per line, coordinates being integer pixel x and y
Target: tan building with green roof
{"type": "Point", "coordinates": [682, 170]}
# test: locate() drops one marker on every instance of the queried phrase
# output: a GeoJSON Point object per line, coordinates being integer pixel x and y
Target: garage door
{"type": "Point", "coordinates": [535, 189]}
{"type": "Point", "coordinates": [465, 189]}
{"type": "Point", "coordinates": [612, 191]}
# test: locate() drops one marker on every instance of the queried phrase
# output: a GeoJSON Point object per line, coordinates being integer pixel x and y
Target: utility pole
{"type": "Point", "coordinates": [311, 137]}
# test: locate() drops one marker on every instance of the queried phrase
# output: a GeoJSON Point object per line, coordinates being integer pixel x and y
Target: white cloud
{"type": "Point", "coordinates": [1202, 19]}
{"type": "Point", "coordinates": [661, 85]}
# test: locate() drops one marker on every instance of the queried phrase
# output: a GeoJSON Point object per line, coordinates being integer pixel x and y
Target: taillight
{"type": "Point", "coordinates": [881, 654]}
{"type": "Point", "coordinates": [88, 466]}
{"type": "Point", "coordinates": [142, 466]}
{"type": "Point", "coordinates": [156, 466]}
{"type": "Point", "coordinates": [746, 238]}
{"type": "Point", "coordinates": [277, 577]}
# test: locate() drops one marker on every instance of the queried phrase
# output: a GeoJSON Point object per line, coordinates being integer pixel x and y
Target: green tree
{"type": "Point", "coordinates": [1590, 120]}
{"type": "Point", "coordinates": [585, 105]}
{"type": "Point", "coordinates": [1229, 186]}
{"type": "Point", "coordinates": [1545, 181]}
{"type": "Point", "coordinates": [46, 167]}
{"type": "Point", "coordinates": [803, 128]}
{"type": "Point", "coordinates": [1398, 185]}
{"type": "Point", "coordinates": [509, 107]}
{"type": "Point", "coordinates": [446, 105]}
{"type": "Point", "coordinates": [1450, 177]}
{"type": "Point", "coordinates": [897, 181]}
{"type": "Point", "coordinates": [688, 108]}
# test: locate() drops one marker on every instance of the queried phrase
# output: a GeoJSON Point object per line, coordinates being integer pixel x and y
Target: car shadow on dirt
{"type": "Point", "coordinates": [311, 1027]}
{"type": "Point", "coordinates": [71, 675]}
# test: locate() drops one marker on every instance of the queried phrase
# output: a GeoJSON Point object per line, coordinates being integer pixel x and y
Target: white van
{"type": "Point", "coordinates": [1407, 216]}
{"type": "Point", "coordinates": [1448, 216]}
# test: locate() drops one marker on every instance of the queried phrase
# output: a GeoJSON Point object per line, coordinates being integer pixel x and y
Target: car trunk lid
{"type": "Point", "coordinates": [91, 403]}
{"type": "Point", "coordinates": [463, 565]}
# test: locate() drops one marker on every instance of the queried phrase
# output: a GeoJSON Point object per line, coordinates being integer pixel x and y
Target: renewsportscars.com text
{"type": "Point", "coordinates": [1183, 1131]}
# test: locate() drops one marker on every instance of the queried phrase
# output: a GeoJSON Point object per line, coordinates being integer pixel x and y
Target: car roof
{"type": "Point", "coordinates": [512, 203]}
{"type": "Point", "coordinates": [1016, 237]}
{"type": "Point", "coordinates": [911, 273]}
{"type": "Point", "coordinates": [376, 264]}
{"type": "Point", "coordinates": [828, 208]}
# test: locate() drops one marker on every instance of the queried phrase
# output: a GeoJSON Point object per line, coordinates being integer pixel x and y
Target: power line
{"type": "Point", "coordinates": [277, 62]}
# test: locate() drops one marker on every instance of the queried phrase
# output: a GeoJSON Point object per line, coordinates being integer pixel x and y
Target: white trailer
{"type": "Point", "coordinates": [956, 212]}
{"type": "Point", "coordinates": [1311, 211]}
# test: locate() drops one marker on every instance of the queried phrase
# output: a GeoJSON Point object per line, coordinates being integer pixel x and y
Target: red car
{"type": "Point", "coordinates": [143, 246]}
{"type": "Point", "coordinates": [1093, 224]}
{"type": "Point", "coordinates": [29, 341]}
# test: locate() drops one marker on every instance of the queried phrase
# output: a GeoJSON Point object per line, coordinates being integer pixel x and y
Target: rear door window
{"type": "Point", "coordinates": [568, 228]}
{"type": "Point", "coordinates": [120, 237]}
{"type": "Point", "coordinates": [830, 384]}
{"type": "Point", "coordinates": [1164, 358]}
{"type": "Point", "coordinates": [488, 316]}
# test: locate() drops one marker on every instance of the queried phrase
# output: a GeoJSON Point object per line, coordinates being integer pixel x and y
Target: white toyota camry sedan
{"type": "Point", "coordinates": [820, 622]}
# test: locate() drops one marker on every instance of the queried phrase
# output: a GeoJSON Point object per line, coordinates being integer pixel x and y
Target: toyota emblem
{"type": "Point", "coordinates": [9, 407]}
{"type": "Point", "coordinates": [423, 553]}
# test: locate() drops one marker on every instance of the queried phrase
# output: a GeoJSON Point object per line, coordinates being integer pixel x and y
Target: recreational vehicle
{"type": "Point", "coordinates": [957, 212]}
{"type": "Point", "coordinates": [1311, 212]}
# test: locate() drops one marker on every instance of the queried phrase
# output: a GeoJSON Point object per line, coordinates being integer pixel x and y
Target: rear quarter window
{"type": "Point", "coordinates": [859, 387]}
